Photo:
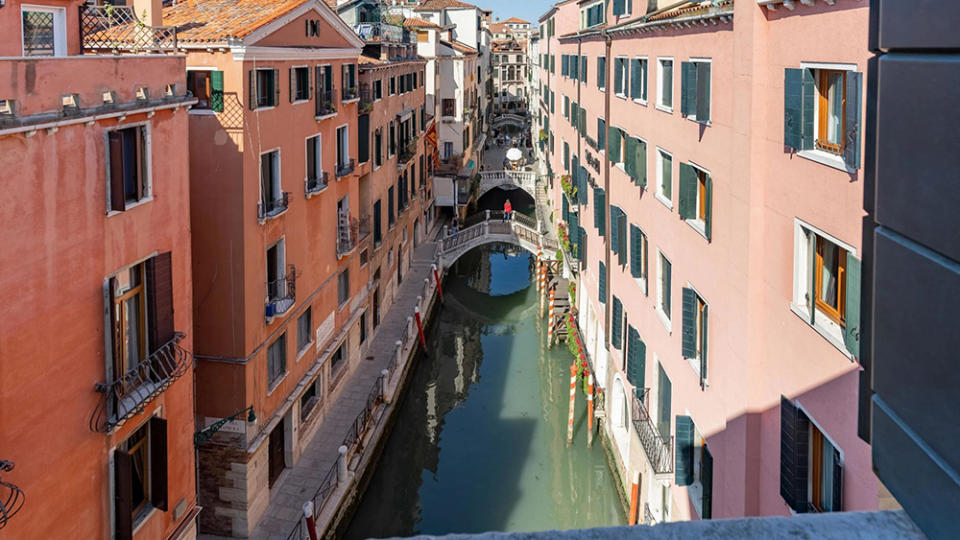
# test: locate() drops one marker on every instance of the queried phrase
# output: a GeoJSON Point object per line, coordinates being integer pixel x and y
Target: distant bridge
{"type": "Point", "coordinates": [525, 180]}
{"type": "Point", "coordinates": [508, 118]}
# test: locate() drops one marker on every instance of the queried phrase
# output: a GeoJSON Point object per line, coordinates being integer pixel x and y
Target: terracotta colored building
{"type": "Point", "coordinates": [96, 396]}
{"type": "Point", "coordinates": [714, 158]}
{"type": "Point", "coordinates": [398, 191]}
{"type": "Point", "coordinates": [281, 236]}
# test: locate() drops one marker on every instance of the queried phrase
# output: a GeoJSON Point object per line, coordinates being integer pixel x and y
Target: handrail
{"type": "Point", "coordinates": [659, 450]}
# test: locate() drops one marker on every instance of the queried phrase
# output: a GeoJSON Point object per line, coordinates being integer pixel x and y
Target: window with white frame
{"type": "Point", "coordinates": [638, 80]}
{"type": "Point", "coordinates": [299, 84]}
{"type": "Point", "coordinates": [827, 286]}
{"type": "Point", "coordinates": [621, 71]}
{"type": "Point", "coordinates": [44, 30]}
{"type": "Point", "coordinates": [696, 198]}
{"type": "Point", "coordinates": [277, 360]}
{"type": "Point", "coordinates": [265, 87]}
{"type": "Point", "coordinates": [695, 90]}
{"type": "Point", "coordinates": [694, 336]}
{"type": "Point", "coordinates": [343, 150]}
{"type": "Point", "coordinates": [271, 193]}
{"type": "Point", "coordinates": [664, 269]}
{"type": "Point", "coordinates": [304, 330]}
{"type": "Point", "coordinates": [314, 178]}
{"type": "Point", "coordinates": [665, 177]}
{"type": "Point", "coordinates": [665, 84]}
{"type": "Point", "coordinates": [128, 166]}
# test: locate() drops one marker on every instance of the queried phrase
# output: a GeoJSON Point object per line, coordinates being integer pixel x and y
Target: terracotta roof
{"type": "Point", "coordinates": [516, 20]}
{"type": "Point", "coordinates": [437, 5]}
{"type": "Point", "coordinates": [207, 21]}
{"type": "Point", "coordinates": [457, 46]}
{"type": "Point", "coordinates": [498, 28]}
{"type": "Point", "coordinates": [417, 22]}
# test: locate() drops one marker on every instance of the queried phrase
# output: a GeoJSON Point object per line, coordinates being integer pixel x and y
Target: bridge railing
{"type": "Point", "coordinates": [520, 226]}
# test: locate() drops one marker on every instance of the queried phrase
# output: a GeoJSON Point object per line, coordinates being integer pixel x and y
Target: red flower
{"type": "Point", "coordinates": [583, 365]}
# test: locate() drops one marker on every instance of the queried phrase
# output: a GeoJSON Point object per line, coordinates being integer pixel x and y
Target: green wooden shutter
{"type": "Point", "coordinates": [617, 323]}
{"type": "Point", "coordinates": [583, 121]}
{"type": "Point", "coordinates": [599, 210]}
{"type": "Point", "coordinates": [583, 69]}
{"type": "Point", "coordinates": [276, 87]}
{"type": "Point", "coordinates": [582, 244]}
{"type": "Point", "coordinates": [629, 155]}
{"type": "Point", "coordinates": [613, 144]}
{"type": "Point", "coordinates": [566, 213]}
{"type": "Point", "coordinates": [684, 451]}
{"type": "Point", "coordinates": [706, 480]}
{"type": "Point", "coordinates": [618, 75]}
{"type": "Point", "coordinates": [582, 186]}
{"type": "Point", "coordinates": [635, 251]}
{"type": "Point", "coordinates": [646, 273]}
{"type": "Point", "coordinates": [708, 219]}
{"type": "Point", "coordinates": [574, 73]}
{"type": "Point", "coordinates": [642, 163]}
{"type": "Point", "coordinates": [601, 133]}
{"type": "Point", "coordinates": [703, 350]}
{"type": "Point", "coordinates": [636, 361]}
{"type": "Point", "coordinates": [566, 156]}
{"type": "Point", "coordinates": [216, 91]}
{"type": "Point", "coordinates": [702, 107]}
{"type": "Point", "coordinates": [851, 329]}
{"type": "Point", "coordinates": [619, 7]}
{"type": "Point", "coordinates": [252, 93]}
{"type": "Point", "coordinates": [689, 333]}
{"type": "Point", "coordinates": [635, 79]}
{"type": "Point", "coordinates": [688, 88]}
{"type": "Point", "coordinates": [792, 108]}
{"type": "Point", "coordinates": [601, 72]}
{"type": "Point", "coordinates": [794, 455]}
{"type": "Point", "coordinates": [293, 84]}
{"type": "Point", "coordinates": [564, 69]}
{"type": "Point", "coordinates": [614, 230]}
{"type": "Point", "coordinates": [837, 482]}
{"type": "Point", "coordinates": [622, 238]}
{"type": "Point", "coordinates": [809, 97]}
{"type": "Point", "coordinates": [688, 192]}
{"type": "Point", "coordinates": [602, 283]}
{"type": "Point", "coordinates": [851, 137]}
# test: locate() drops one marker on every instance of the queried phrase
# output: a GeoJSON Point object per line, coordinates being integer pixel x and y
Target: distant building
{"type": "Point", "coordinates": [511, 76]}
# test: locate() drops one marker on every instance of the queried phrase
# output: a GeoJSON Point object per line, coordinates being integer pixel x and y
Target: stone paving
{"type": "Point", "coordinates": [299, 483]}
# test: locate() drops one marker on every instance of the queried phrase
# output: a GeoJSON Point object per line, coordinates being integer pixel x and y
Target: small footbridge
{"type": "Point", "coordinates": [510, 119]}
{"type": "Point", "coordinates": [525, 180]}
{"type": "Point", "coordinates": [489, 227]}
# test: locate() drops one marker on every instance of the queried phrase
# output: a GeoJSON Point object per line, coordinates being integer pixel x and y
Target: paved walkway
{"type": "Point", "coordinates": [299, 483]}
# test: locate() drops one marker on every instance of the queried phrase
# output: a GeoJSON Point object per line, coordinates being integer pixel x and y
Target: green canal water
{"type": "Point", "coordinates": [479, 443]}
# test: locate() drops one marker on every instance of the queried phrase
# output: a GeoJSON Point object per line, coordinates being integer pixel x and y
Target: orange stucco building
{"type": "Point", "coordinates": [281, 236]}
{"type": "Point", "coordinates": [96, 392]}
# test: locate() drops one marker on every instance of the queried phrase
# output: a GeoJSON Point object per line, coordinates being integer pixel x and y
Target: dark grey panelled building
{"type": "Point", "coordinates": [910, 396]}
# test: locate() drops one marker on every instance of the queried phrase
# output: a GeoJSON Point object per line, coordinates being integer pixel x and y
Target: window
{"type": "Point", "coordinates": [337, 360]}
{"type": "Point", "coordinates": [310, 397]}
{"type": "Point", "coordinates": [44, 31]}
{"type": "Point", "coordinates": [665, 177]}
{"type": "Point", "coordinates": [264, 87]}
{"type": "Point", "coordinates": [822, 113]}
{"type": "Point", "coordinates": [602, 72]}
{"type": "Point", "coordinates": [695, 90]}
{"type": "Point", "coordinates": [349, 81]}
{"type": "Point", "coordinates": [140, 475]}
{"type": "Point", "coordinates": [377, 89]}
{"type": "Point", "coordinates": [314, 181]}
{"type": "Point", "coordinates": [449, 107]}
{"type": "Point", "coordinates": [622, 7]}
{"type": "Point", "coordinates": [618, 234]}
{"type": "Point", "coordinates": [344, 165]}
{"type": "Point", "coordinates": [343, 288]}
{"type": "Point", "coordinates": [638, 80]}
{"type": "Point", "coordinates": [128, 167]}
{"type": "Point", "coordinates": [694, 466]}
{"type": "Point", "coordinates": [696, 198]}
{"type": "Point", "coordinates": [663, 289]}
{"type": "Point", "coordinates": [277, 360]}
{"type": "Point", "coordinates": [665, 84]}
{"type": "Point", "coordinates": [390, 217]}
{"type": "Point", "coordinates": [664, 398]}
{"type": "Point", "coordinates": [393, 86]}
{"type": "Point", "coordinates": [811, 467]}
{"type": "Point", "coordinates": [620, 74]}
{"type": "Point", "coordinates": [638, 256]}
{"type": "Point", "coordinates": [377, 232]}
{"type": "Point", "coordinates": [324, 90]}
{"type": "Point", "coordinates": [363, 327]}
{"type": "Point", "coordinates": [378, 147]}
{"type": "Point", "coordinates": [279, 292]}
{"type": "Point", "coordinates": [271, 195]}
{"type": "Point", "coordinates": [694, 342]}
{"type": "Point", "coordinates": [207, 87]}
{"type": "Point", "coordinates": [299, 84]}
{"type": "Point", "coordinates": [304, 330]}
{"type": "Point", "coordinates": [129, 319]}
{"type": "Point", "coordinates": [827, 287]}
{"type": "Point", "coordinates": [592, 15]}
{"type": "Point", "coordinates": [601, 134]}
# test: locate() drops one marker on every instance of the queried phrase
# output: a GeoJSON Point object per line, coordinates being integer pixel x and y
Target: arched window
{"type": "Point", "coordinates": [620, 405]}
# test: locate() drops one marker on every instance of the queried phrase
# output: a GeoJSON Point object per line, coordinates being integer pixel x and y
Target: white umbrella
{"type": "Point", "coordinates": [514, 154]}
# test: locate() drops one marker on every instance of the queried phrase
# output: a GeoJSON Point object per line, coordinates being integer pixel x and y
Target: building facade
{"type": "Point", "coordinates": [97, 243]}
{"type": "Point", "coordinates": [281, 237]}
{"type": "Point", "coordinates": [712, 199]}
{"type": "Point", "coordinates": [510, 76]}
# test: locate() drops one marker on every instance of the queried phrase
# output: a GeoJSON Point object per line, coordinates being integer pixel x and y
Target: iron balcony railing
{"type": "Point", "coordinates": [315, 184]}
{"type": "Point", "coordinates": [383, 32]}
{"type": "Point", "coordinates": [648, 518]}
{"type": "Point", "coordinates": [366, 99]}
{"type": "Point", "coordinates": [117, 28]}
{"type": "Point", "coordinates": [348, 231]}
{"type": "Point", "coordinates": [128, 393]}
{"type": "Point", "coordinates": [407, 152]}
{"type": "Point", "coordinates": [345, 167]}
{"type": "Point", "coordinates": [325, 104]}
{"type": "Point", "coordinates": [349, 92]}
{"type": "Point", "coordinates": [281, 293]}
{"type": "Point", "coordinates": [273, 207]}
{"type": "Point", "coordinates": [659, 450]}
{"type": "Point", "coordinates": [11, 496]}
{"type": "Point", "coordinates": [365, 227]}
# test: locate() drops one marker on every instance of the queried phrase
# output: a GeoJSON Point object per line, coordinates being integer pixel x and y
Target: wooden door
{"type": "Point", "coordinates": [276, 451]}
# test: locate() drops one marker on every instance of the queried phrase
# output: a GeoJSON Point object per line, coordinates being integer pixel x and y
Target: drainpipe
{"type": "Point", "coordinates": [608, 42]}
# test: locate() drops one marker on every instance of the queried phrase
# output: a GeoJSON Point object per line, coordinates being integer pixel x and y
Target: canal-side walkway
{"type": "Point", "coordinates": [299, 483]}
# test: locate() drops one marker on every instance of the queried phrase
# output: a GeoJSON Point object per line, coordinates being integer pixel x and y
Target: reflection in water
{"type": "Point", "coordinates": [479, 442]}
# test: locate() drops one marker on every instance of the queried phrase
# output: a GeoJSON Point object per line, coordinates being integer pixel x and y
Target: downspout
{"type": "Point", "coordinates": [608, 43]}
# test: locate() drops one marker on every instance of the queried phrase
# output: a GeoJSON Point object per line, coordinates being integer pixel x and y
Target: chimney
{"type": "Point", "coordinates": [150, 12]}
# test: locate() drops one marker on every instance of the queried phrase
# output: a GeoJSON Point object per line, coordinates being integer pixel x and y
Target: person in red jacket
{"type": "Point", "coordinates": [507, 209]}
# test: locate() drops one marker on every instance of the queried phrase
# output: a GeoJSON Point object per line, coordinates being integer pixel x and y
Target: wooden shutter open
{"type": "Point", "coordinates": [109, 332]}
{"type": "Point", "coordinates": [618, 75]}
{"type": "Point", "coordinates": [851, 328]}
{"type": "Point", "coordinates": [613, 144]}
{"type": "Point", "coordinates": [614, 230]}
{"type": "Point", "coordinates": [158, 463]}
{"type": "Point", "coordinates": [602, 283]}
{"type": "Point", "coordinates": [706, 480]}
{"type": "Point", "coordinates": [635, 251]}
{"type": "Point", "coordinates": [252, 93]}
{"type": "Point", "coordinates": [276, 87]}
{"type": "Point", "coordinates": [708, 203]}
{"type": "Point", "coordinates": [793, 108]}
{"type": "Point", "coordinates": [293, 84]}
{"type": "Point", "coordinates": [160, 300]}
{"type": "Point", "coordinates": [618, 7]}
{"type": "Point", "coordinates": [809, 98]}
{"type": "Point", "coordinates": [641, 163]}
{"type": "Point", "coordinates": [629, 157]}
{"type": "Point", "coordinates": [851, 136]}
{"type": "Point", "coordinates": [794, 452]}
{"type": "Point", "coordinates": [122, 495]}
{"type": "Point", "coordinates": [684, 451]}
{"type": "Point", "coordinates": [216, 91]}
{"type": "Point", "coordinates": [689, 332]}
{"type": "Point", "coordinates": [702, 108]}
{"type": "Point", "coordinates": [602, 72]}
{"type": "Point", "coordinates": [599, 210]}
{"type": "Point", "coordinates": [617, 323]}
{"type": "Point", "coordinates": [688, 192]}
{"type": "Point", "coordinates": [688, 88]}
{"type": "Point", "coordinates": [837, 482]}
{"type": "Point", "coordinates": [635, 75]}
{"type": "Point", "coordinates": [703, 349]}
{"type": "Point", "coordinates": [117, 197]}
{"type": "Point", "coordinates": [646, 274]}
{"type": "Point", "coordinates": [636, 360]}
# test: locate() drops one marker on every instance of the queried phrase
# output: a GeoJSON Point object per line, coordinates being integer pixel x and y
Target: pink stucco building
{"type": "Point", "coordinates": [714, 150]}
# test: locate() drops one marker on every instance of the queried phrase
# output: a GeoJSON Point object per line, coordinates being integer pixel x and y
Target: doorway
{"type": "Point", "coordinates": [276, 452]}
{"type": "Point", "coordinates": [399, 266]}
{"type": "Point", "coordinates": [376, 307]}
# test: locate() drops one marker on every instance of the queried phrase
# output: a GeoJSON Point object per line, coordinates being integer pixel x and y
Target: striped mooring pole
{"type": "Point", "coordinates": [573, 397]}
{"type": "Point", "coordinates": [543, 290]}
{"type": "Point", "coordinates": [436, 277]}
{"type": "Point", "coordinates": [423, 341]}
{"type": "Point", "coordinates": [589, 408]}
{"type": "Point", "coordinates": [553, 291]}
{"type": "Point", "coordinates": [634, 499]}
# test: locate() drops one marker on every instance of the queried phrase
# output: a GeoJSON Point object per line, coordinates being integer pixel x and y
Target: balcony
{"type": "Point", "coordinates": [281, 294]}
{"type": "Point", "coordinates": [349, 92]}
{"type": "Point", "coordinates": [345, 167]}
{"type": "Point", "coordinates": [267, 209]}
{"type": "Point", "coordinates": [364, 228]}
{"type": "Point", "coordinates": [128, 394]}
{"type": "Point", "coordinates": [366, 99]}
{"type": "Point", "coordinates": [115, 29]}
{"type": "Point", "coordinates": [407, 152]}
{"type": "Point", "coordinates": [348, 232]}
{"type": "Point", "coordinates": [384, 33]}
{"type": "Point", "coordinates": [658, 449]}
{"type": "Point", "coordinates": [312, 186]}
{"type": "Point", "coordinates": [325, 106]}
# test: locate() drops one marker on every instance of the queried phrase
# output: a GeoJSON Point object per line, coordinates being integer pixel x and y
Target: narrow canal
{"type": "Point", "coordinates": [479, 443]}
